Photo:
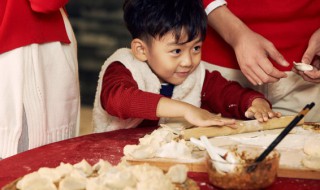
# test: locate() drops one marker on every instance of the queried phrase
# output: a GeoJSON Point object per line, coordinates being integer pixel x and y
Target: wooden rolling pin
{"type": "Point", "coordinates": [242, 127]}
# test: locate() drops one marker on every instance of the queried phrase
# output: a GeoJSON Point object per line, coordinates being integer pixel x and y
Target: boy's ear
{"type": "Point", "coordinates": [138, 48]}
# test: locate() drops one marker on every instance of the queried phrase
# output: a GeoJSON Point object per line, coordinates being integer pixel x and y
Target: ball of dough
{"type": "Point", "coordinates": [312, 146]}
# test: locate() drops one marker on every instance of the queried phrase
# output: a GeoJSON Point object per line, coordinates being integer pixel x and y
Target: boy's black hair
{"type": "Point", "coordinates": [146, 18]}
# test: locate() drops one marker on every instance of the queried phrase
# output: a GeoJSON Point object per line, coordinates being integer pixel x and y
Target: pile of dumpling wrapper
{"type": "Point", "coordinates": [163, 143]}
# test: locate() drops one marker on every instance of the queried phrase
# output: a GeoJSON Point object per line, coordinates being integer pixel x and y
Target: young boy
{"type": "Point", "coordinates": [162, 76]}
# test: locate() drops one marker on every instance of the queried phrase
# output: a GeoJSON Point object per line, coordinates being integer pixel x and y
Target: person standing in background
{"type": "Point", "coordinates": [256, 43]}
{"type": "Point", "coordinates": [39, 82]}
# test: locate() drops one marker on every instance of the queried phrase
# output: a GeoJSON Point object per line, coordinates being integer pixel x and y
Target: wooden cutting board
{"type": "Point", "coordinates": [200, 166]}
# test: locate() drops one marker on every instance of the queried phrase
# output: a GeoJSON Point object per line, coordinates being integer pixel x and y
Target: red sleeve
{"type": "Point", "coordinates": [44, 6]}
{"type": "Point", "coordinates": [121, 97]}
{"type": "Point", "coordinates": [226, 97]}
{"type": "Point", "coordinates": [207, 2]}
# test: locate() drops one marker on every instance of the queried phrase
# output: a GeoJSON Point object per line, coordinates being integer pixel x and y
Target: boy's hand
{"type": "Point", "coordinates": [261, 110]}
{"type": "Point", "coordinates": [202, 118]}
{"type": "Point", "coordinates": [196, 116]}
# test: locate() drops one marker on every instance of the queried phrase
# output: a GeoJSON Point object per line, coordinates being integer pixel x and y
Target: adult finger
{"type": "Point", "coordinates": [258, 75]}
{"type": "Point", "coordinates": [309, 54]}
{"type": "Point", "coordinates": [273, 73]}
{"type": "Point", "coordinates": [249, 74]}
{"type": "Point", "coordinates": [274, 54]}
{"type": "Point", "coordinates": [311, 76]}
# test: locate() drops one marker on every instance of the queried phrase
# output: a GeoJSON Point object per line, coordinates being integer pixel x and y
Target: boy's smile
{"type": "Point", "coordinates": [173, 61]}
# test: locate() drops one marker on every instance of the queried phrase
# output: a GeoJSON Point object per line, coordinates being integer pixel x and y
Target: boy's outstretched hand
{"type": "Point", "coordinates": [203, 118]}
{"type": "Point", "coordinates": [194, 115]}
{"type": "Point", "coordinates": [260, 110]}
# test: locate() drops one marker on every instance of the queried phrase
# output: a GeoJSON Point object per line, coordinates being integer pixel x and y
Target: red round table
{"type": "Point", "coordinates": [107, 146]}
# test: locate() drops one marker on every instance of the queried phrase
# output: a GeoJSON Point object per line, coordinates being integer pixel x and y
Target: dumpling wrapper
{"type": "Point", "coordinates": [303, 66]}
{"type": "Point", "coordinates": [178, 173]}
{"type": "Point", "coordinates": [72, 183]}
{"type": "Point", "coordinates": [51, 173]}
{"type": "Point", "coordinates": [312, 146]}
{"type": "Point", "coordinates": [84, 166]}
{"type": "Point", "coordinates": [102, 166]}
{"type": "Point", "coordinates": [117, 178]}
{"type": "Point", "coordinates": [34, 181]}
{"type": "Point", "coordinates": [64, 169]}
{"type": "Point", "coordinates": [312, 162]}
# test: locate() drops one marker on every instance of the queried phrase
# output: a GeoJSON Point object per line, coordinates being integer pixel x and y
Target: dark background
{"type": "Point", "coordinates": [100, 30]}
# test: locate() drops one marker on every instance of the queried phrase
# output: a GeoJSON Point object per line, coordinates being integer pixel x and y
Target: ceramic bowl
{"type": "Point", "coordinates": [245, 175]}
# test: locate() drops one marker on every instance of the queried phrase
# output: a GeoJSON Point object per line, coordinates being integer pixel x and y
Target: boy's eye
{"type": "Point", "coordinates": [176, 51]}
{"type": "Point", "coordinates": [197, 48]}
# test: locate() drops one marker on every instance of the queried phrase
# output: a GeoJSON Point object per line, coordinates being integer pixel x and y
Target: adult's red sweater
{"type": "Point", "coordinates": [287, 24]}
{"type": "Point", "coordinates": [24, 22]}
{"type": "Point", "coordinates": [121, 97]}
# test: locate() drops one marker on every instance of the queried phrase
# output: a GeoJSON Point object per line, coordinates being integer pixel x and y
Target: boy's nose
{"type": "Point", "coordinates": [186, 61]}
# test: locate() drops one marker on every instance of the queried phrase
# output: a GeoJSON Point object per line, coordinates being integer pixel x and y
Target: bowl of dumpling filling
{"type": "Point", "coordinates": [237, 168]}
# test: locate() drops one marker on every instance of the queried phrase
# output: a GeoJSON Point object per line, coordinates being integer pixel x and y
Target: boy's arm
{"type": "Point", "coordinates": [226, 97]}
{"type": "Point", "coordinates": [121, 97]}
{"type": "Point", "coordinates": [199, 117]}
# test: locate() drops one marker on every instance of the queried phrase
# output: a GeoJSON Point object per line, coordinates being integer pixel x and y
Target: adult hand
{"type": "Point", "coordinates": [312, 56]}
{"type": "Point", "coordinates": [253, 53]}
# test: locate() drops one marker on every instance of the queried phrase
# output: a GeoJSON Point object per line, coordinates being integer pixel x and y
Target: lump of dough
{"type": "Point", "coordinates": [72, 183]}
{"type": "Point", "coordinates": [84, 166]}
{"type": "Point", "coordinates": [64, 169]}
{"type": "Point", "coordinates": [175, 149]}
{"type": "Point", "coordinates": [303, 66]}
{"type": "Point", "coordinates": [117, 178]}
{"type": "Point", "coordinates": [102, 166]}
{"type": "Point", "coordinates": [51, 173]}
{"type": "Point", "coordinates": [34, 181]}
{"type": "Point", "coordinates": [139, 151]}
{"type": "Point", "coordinates": [312, 146]}
{"type": "Point", "coordinates": [94, 184]}
{"type": "Point", "coordinates": [151, 177]}
{"type": "Point", "coordinates": [312, 162]}
{"type": "Point", "coordinates": [178, 173]}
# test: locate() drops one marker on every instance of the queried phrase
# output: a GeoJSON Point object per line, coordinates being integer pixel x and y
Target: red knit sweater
{"type": "Point", "coordinates": [121, 97]}
{"type": "Point", "coordinates": [287, 24]}
{"type": "Point", "coordinates": [23, 22]}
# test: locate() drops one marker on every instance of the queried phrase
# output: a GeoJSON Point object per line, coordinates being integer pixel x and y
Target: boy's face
{"type": "Point", "coordinates": [173, 61]}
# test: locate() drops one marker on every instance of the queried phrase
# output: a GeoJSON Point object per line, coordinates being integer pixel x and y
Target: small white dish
{"type": "Point", "coordinates": [303, 66]}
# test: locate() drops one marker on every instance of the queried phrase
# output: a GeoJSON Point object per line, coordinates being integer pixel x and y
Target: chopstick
{"type": "Point", "coordinates": [286, 130]}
